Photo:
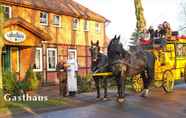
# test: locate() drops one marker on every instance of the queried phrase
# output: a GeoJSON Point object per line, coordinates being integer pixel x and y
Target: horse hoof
{"type": "Point", "coordinates": [105, 99]}
{"type": "Point", "coordinates": [98, 98]}
{"type": "Point", "coordinates": [142, 95]}
{"type": "Point", "coordinates": [121, 100]}
{"type": "Point", "coordinates": [145, 93]}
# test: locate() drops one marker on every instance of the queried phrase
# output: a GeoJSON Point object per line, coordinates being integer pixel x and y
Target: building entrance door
{"type": "Point", "coordinates": [6, 59]}
{"type": "Point", "coordinates": [14, 59]}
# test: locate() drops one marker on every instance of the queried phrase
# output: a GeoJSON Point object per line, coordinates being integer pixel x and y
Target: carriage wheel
{"type": "Point", "coordinates": [168, 81]}
{"type": "Point", "coordinates": [184, 74]}
{"type": "Point", "coordinates": [137, 83]}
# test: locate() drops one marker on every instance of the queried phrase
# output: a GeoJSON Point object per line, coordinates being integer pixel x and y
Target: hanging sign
{"type": "Point", "coordinates": [15, 36]}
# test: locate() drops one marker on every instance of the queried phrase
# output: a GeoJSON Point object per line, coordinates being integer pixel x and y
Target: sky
{"type": "Point", "coordinates": [121, 13]}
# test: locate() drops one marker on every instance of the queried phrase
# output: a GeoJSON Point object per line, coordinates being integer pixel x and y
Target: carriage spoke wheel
{"type": "Point", "coordinates": [184, 74]}
{"type": "Point", "coordinates": [137, 83]}
{"type": "Point", "coordinates": [168, 81]}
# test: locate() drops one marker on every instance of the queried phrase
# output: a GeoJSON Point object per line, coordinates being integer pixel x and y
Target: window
{"type": "Point", "coordinates": [7, 11]}
{"type": "Point", "coordinates": [86, 25]}
{"type": "Point", "coordinates": [75, 23]}
{"type": "Point", "coordinates": [44, 18]}
{"type": "Point", "coordinates": [181, 50]}
{"type": "Point", "coordinates": [51, 59]}
{"type": "Point", "coordinates": [38, 60]}
{"type": "Point", "coordinates": [57, 20]}
{"type": "Point", "coordinates": [97, 27]}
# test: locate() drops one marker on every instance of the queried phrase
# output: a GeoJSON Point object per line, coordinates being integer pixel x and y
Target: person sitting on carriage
{"type": "Point", "coordinates": [159, 40]}
{"type": "Point", "coordinates": [145, 39]}
{"type": "Point", "coordinates": [167, 29]}
{"type": "Point", "coordinates": [152, 32]}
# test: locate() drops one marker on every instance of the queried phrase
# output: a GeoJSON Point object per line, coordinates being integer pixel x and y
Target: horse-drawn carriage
{"type": "Point", "coordinates": [170, 65]}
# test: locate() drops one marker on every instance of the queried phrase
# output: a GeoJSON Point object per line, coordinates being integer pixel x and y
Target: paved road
{"type": "Point", "coordinates": [157, 105]}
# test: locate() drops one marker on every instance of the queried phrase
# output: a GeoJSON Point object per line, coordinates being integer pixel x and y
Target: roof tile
{"type": "Point", "coordinates": [63, 7]}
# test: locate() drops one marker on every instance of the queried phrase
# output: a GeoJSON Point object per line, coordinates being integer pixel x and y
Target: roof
{"type": "Point", "coordinates": [61, 7]}
{"type": "Point", "coordinates": [26, 25]}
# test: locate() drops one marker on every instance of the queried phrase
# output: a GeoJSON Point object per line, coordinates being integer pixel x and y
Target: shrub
{"type": "Point", "coordinates": [39, 76]}
{"type": "Point", "coordinates": [12, 86]}
{"type": "Point", "coordinates": [23, 86]}
{"type": "Point", "coordinates": [84, 83]}
{"type": "Point", "coordinates": [32, 78]}
{"type": "Point", "coordinates": [10, 83]}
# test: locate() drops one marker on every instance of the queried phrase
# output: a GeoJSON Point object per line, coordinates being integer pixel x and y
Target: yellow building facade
{"type": "Point", "coordinates": [39, 33]}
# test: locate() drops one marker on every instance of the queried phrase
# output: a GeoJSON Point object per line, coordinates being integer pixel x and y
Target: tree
{"type": "Point", "coordinates": [139, 12]}
{"type": "Point", "coordinates": [2, 19]}
{"type": "Point", "coordinates": [136, 35]}
{"type": "Point", "coordinates": [182, 16]}
{"type": "Point", "coordinates": [140, 23]}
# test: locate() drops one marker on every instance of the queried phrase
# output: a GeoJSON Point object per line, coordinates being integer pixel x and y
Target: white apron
{"type": "Point", "coordinates": [71, 75]}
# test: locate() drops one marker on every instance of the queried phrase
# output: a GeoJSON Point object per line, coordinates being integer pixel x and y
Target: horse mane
{"type": "Point", "coordinates": [115, 50]}
{"type": "Point", "coordinates": [110, 44]}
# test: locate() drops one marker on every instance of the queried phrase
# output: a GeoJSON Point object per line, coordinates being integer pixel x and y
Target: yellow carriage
{"type": "Point", "coordinates": [170, 64]}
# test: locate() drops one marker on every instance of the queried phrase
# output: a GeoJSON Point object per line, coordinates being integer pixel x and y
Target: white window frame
{"type": "Point", "coordinates": [75, 25]}
{"type": "Point", "coordinates": [46, 24]}
{"type": "Point", "coordinates": [56, 25]}
{"type": "Point", "coordinates": [97, 27]}
{"type": "Point", "coordinates": [51, 49]}
{"type": "Point", "coordinates": [41, 60]}
{"type": "Point", "coordinates": [10, 10]}
{"type": "Point", "coordinates": [86, 25]}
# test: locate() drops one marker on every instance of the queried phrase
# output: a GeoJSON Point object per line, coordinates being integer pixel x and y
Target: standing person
{"type": "Point", "coordinates": [61, 68]}
{"type": "Point", "coordinates": [71, 74]}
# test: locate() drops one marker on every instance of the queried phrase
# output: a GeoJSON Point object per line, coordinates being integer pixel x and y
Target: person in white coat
{"type": "Point", "coordinates": [71, 74]}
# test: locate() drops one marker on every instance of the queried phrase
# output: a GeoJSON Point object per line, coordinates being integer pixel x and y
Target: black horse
{"type": "Point", "coordinates": [126, 64]}
{"type": "Point", "coordinates": [99, 64]}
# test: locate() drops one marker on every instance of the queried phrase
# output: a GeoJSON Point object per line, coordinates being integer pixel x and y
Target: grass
{"type": "Point", "coordinates": [31, 105]}
{"type": "Point", "coordinates": [36, 104]}
{"type": "Point", "coordinates": [3, 110]}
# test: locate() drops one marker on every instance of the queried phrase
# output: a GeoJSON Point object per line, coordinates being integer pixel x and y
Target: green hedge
{"type": "Point", "coordinates": [10, 83]}
{"type": "Point", "coordinates": [14, 87]}
{"type": "Point", "coordinates": [84, 83]}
